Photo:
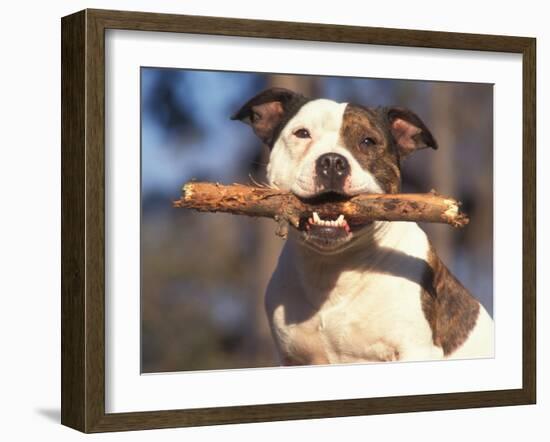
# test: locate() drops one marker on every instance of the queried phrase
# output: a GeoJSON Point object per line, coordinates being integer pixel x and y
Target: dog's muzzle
{"type": "Point", "coordinates": [331, 171]}
{"type": "Point", "coordinates": [330, 232]}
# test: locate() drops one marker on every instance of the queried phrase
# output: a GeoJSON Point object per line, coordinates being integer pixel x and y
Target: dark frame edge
{"type": "Point", "coordinates": [224, 26]}
{"type": "Point", "coordinates": [136, 421]}
{"type": "Point", "coordinates": [529, 64]}
{"type": "Point", "coordinates": [83, 219]}
{"type": "Point", "coordinates": [83, 211]}
{"type": "Point", "coordinates": [73, 129]}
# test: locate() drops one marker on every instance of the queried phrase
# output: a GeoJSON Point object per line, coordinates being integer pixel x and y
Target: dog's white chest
{"type": "Point", "coordinates": [378, 319]}
{"type": "Point", "coordinates": [371, 313]}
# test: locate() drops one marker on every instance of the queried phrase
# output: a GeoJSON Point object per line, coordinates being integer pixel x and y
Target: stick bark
{"type": "Point", "coordinates": [286, 208]}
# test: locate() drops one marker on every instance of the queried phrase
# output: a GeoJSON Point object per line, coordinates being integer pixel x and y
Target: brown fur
{"type": "Point", "coordinates": [380, 159]}
{"type": "Point", "coordinates": [450, 309]}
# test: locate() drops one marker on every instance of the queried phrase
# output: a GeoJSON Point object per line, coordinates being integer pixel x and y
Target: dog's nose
{"type": "Point", "coordinates": [332, 170]}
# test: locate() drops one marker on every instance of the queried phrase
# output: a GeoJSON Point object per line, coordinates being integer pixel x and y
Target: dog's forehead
{"type": "Point", "coordinates": [322, 112]}
{"type": "Point", "coordinates": [361, 115]}
{"type": "Point", "coordinates": [359, 121]}
{"type": "Point", "coordinates": [331, 115]}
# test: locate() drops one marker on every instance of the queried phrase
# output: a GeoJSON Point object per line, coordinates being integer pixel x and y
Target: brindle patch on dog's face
{"type": "Point", "coordinates": [365, 134]}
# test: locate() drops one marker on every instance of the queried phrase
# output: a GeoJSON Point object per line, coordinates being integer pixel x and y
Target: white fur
{"type": "Point", "coordinates": [292, 162]}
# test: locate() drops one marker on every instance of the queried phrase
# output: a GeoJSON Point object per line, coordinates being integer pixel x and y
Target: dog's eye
{"type": "Point", "coordinates": [368, 141]}
{"type": "Point", "coordinates": [302, 133]}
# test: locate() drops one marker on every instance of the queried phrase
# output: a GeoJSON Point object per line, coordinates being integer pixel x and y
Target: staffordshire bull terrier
{"type": "Point", "coordinates": [349, 293]}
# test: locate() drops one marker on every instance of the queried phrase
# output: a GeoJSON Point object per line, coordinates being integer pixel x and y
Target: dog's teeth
{"type": "Point", "coordinates": [315, 219]}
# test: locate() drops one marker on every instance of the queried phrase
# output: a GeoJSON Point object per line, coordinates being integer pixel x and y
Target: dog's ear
{"type": "Point", "coordinates": [408, 131]}
{"type": "Point", "coordinates": [268, 111]}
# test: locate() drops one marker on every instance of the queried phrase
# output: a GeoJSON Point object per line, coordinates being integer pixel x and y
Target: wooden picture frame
{"type": "Point", "coordinates": [83, 220]}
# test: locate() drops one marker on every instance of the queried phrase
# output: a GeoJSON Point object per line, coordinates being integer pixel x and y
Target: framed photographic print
{"type": "Point", "coordinates": [361, 298]}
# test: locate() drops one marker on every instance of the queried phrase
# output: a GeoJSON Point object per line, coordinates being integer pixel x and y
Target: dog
{"type": "Point", "coordinates": [350, 293]}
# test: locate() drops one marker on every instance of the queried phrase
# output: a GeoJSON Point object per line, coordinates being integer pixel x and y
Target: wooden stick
{"type": "Point", "coordinates": [286, 208]}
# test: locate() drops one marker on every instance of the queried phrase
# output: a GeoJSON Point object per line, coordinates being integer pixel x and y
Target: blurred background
{"type": "Point", "coordinates": [204, 275]}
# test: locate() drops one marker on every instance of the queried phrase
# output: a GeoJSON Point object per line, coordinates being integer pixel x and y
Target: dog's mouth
{"type": "Point", "coordinates": [328, 232]}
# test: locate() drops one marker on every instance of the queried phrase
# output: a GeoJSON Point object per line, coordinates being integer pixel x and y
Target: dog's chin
{"type": "Point", "coordinates": [329, 240]}
{"type": "Point", "coordinates": [331, 234]}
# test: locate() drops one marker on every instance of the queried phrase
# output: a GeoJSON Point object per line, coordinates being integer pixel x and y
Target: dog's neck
{"type": "Point", "coordinates": [321, 274]}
